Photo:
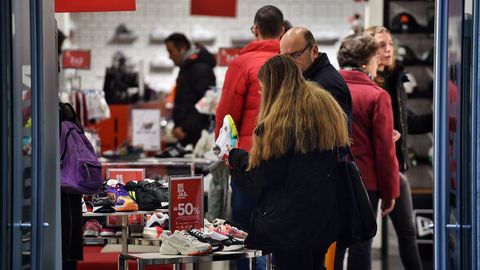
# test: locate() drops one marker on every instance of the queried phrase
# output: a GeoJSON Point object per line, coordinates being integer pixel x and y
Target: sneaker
{"type": "Point", "coordinates": [181, 242]}
{"type": "Point", "coordinates": [107, 232]}
{"type": "Point", "coordinates": [84, 206]}
{"type": "Point", "coordinates": [118, 233]}
{"type": "Point", "coordinates": [229, 243]}
{"type": "Point", "coordinates": [122, 202]}
{"type": "Point", "coordinates": [123, 34]}
{"type": "Point", "coordinates": [227, 138]}
{"type": "Point", "coordinates": [92, 228]}
{"type": "Point", "coordinates": [205, 238]}
{"type": "Point", "coordinates": [156, 219]}
{"type": "Point", "coordinates": [101, 203]}
{"type": "Point", "coordinates": [152, 232]}
{"type": "Point", "coordinates": [229, 230]}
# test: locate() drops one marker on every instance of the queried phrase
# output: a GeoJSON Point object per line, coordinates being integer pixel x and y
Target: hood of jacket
{"type": "Point", "coordinates": [198, 55]}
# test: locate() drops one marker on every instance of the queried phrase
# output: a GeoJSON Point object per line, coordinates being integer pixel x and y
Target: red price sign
{"type": "Point", "coordinates": [227, 55]}
{"type": "Point", "coordinates": [76, 59]}
{"type": "Point", "coordinates": [94, 5]}
{"type": "Point", "coordinates": [186, 202]}
{"type": "Point", "coordinates": [126, 175]}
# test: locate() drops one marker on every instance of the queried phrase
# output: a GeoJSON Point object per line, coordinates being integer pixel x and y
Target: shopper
{"type": "Point", "coordinates": [372, 131]}
{"type": "Point", "coordinates": [293, 167]}
{"type": "Point", "coordinates": [299, 43]}
{"type": "Point", "coordinates": [194, 78]}
{"type": "Point", "coordinates": [391, 76]}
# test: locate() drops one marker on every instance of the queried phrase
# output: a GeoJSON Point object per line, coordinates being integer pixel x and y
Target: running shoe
{"type": "Point", "coordinates": [181, 242]}
{"type": "Point", "coordinates": [156, 219]}
{"type": "Point", "coordinates": [92, 228]}
{"type": "Point", "coordinates": [227, 139]}
{"type": "Point", "coordinates": [152, 232]}
{"type": "Point", "coordinates": [107, 232]}
{"type": "Point", "coordinates": [205, 238]}
{"type": "Point", "coordinates": [122, 202]}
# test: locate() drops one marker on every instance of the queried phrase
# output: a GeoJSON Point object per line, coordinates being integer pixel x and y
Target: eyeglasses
{"type": "Point", "coordinates": [296, 55]}
{"type": "Point", "coordinates": [252, 29]}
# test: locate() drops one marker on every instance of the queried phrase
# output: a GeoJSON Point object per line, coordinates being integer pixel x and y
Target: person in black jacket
{"type": "Point", "coordinates": [292, 167]}
{"type": "Point", "coordinates": [391, 76]}
{"type": "Point", "coordinates": [195, 77]}
{"type": "Point", "coordinates": [299, 43]}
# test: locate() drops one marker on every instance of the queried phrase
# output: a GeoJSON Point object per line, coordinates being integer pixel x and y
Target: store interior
{"type": "Point", "coordinates": [125, 81]}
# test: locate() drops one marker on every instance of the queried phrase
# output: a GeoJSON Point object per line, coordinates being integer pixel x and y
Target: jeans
{"type": "Point", "coordinates": [311, 259]}
{"type": "Point", "coordinates": [242, 208]}
{"type": "Point", "coordinates": [402, 219]}
{"type": "Point", "coordinates": [359, 254]}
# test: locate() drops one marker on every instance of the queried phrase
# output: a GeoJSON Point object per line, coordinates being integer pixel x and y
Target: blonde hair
{"type": "Point", "coordinates": [295, 115]}
{"type": "Point", "coordinates": [373, 31]}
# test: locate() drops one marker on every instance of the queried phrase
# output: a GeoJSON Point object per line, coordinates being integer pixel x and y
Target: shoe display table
{"type": "Point", "coordinates": [144, 259]}
{"type": "Point", "coordinates": [124, 216]}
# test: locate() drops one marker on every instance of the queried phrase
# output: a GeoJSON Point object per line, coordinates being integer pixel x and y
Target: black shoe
{"type": "Point", "coordinates": [202, 237]}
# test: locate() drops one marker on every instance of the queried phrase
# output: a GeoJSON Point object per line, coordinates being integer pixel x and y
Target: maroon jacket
{"type": "Point", "coordinates": [372, 135]}
{"type": "Point", "coordinates": [241, 90]}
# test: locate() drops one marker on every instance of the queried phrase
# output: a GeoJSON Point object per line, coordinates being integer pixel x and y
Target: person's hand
{"type": "Point", "coordinates": [179, 133]}
{"type": "Point", "coordinates": [387, 206]}
{"type": "Point", "coordinates": [396, 135]}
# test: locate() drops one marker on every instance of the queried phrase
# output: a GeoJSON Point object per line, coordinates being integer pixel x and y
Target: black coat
{"type": "Point", "coordinates": [296, 206]}
{"type": "Point", "coordinates": [195, 77]}
{"type": "Point", "coordinates": [325, 75]}
{"type": "Point", "coordinates": [404, 120]}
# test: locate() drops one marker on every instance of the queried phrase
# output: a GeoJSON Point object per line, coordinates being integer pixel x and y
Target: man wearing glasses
{"type": "Point", "coordinates": [299, 44]}
{"type": "Point", "coordinates": [241, 96]}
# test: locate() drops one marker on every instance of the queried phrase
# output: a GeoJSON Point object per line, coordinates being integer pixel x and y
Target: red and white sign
{"type": "Point", "coordinates": [94, 5]}
{"type": "Point", "coordinates": [126, 175]}
{"type": "Point", "coordinates": [223, 8]}
{"type": "Point", "coordinates": [76, 59]}
{"type": "Point", "coordinates": [186, 202]}
{"type": "Point", "coordinates": [227, 55]}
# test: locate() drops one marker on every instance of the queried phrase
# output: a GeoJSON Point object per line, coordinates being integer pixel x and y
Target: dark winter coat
{"type": "Point", "coordinates": [325, 75]}
{"type": "Point", "coordinates": [195, 77]}
{"type": "Point", "coordinates": [296, 206]}
{"type": "Point", "coordinates": [404, 120]}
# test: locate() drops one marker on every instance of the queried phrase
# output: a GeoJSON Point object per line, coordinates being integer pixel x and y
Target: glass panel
{"type": "Point", "coordinates": [22, 130]}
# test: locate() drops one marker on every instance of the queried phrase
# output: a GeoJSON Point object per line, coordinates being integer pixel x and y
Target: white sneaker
{"type": "Point", "coordinates": [181, 242]}
{"type": "Point", "coordinates": [152, 232]}
{"type": "Point", "coordinates": [227, 138]}
{"type": "Point", "coordinates": [156, 219]}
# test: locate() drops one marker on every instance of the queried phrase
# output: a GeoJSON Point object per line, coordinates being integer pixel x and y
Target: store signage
{"type": "Point", "coordinates": [76, 59]}
{"type": "Point", "coordinates": [227, 55]}
{"type": "Point", "coordinates": [146, 129]}
{"type": "Point", "coordinates": [94, 5]}
{"type": "Point", "coordinates": [223, 8]}
{"type": "Point", "coordinates": [186, 202]}
{"type": "Point", "coordinates": [126, 175]}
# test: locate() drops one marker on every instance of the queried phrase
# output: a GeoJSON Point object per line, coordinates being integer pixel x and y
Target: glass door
{"type": "Point", "coordinates": [30, 233]}
{"type": "Point", "coordinates": [454, 182]}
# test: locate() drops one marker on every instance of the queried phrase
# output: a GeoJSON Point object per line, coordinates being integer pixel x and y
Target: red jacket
{"type": "Point", "coordinates": [372, 132]}
{"type": "Point", "coordinates": [241, 90]}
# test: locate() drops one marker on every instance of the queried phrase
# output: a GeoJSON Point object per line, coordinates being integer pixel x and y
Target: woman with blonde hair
{"type": "Point", "coordinates": [391, 77]}
{"type": "Point", "coordinates": [292, 167]}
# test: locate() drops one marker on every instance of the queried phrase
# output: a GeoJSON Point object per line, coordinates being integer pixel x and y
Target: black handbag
{"type": "Point", "coordinates": [358, 221]}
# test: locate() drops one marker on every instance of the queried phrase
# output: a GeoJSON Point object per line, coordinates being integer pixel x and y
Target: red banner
{"type": "Point", "coordinates": [76, 59]}
{"type": "Point", "coordinates": [227, 55]}
{"type": "Point", "coordinates": [126, 175]}
{"type": "Point", "coordinates": [223, 8]}
{"type": "Point", "coordinates": [186, 202]}
{"type": "Point", "coordinates": [94, 5]}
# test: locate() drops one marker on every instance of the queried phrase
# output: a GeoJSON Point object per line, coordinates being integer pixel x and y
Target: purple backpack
{"type": "Point", "coordinates": [80, 170]}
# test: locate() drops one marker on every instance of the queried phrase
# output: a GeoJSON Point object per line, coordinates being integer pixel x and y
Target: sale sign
{"type": "Point", "coordinates": [126, 175]}
{"type": "Point", "coordinates": [76, 59]}
{"type": "Point", "coordinates": [94, 5]}
{"type": "Point", "coordinates": [186, 202]}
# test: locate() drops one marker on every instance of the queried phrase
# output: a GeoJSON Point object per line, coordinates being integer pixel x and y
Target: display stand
{"type": "Point", "coordinates": [144, 259]}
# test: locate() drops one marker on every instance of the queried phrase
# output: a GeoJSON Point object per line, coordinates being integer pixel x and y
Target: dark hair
{"type": "Point", "coordinates": [269, 20]}
{"type": "Point", "coordinates": [308, 36]}
{"type": "Point", "coordinates": [356, 50]}
{"type": "Point", "coordinates": [286, 25]}
{"type": "Point", "coordinates": [179, 40]}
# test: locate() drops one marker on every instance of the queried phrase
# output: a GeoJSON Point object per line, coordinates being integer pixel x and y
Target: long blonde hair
{"type": "Point", "coordinates": [295, 115]}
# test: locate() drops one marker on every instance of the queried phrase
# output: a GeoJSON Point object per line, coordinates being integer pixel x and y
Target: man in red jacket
{"type": "Point", "coordinates": [241, 94]}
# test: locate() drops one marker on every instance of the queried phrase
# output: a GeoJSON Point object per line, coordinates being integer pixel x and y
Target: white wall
{"type": "Point", "coordinates": [94, 30]}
